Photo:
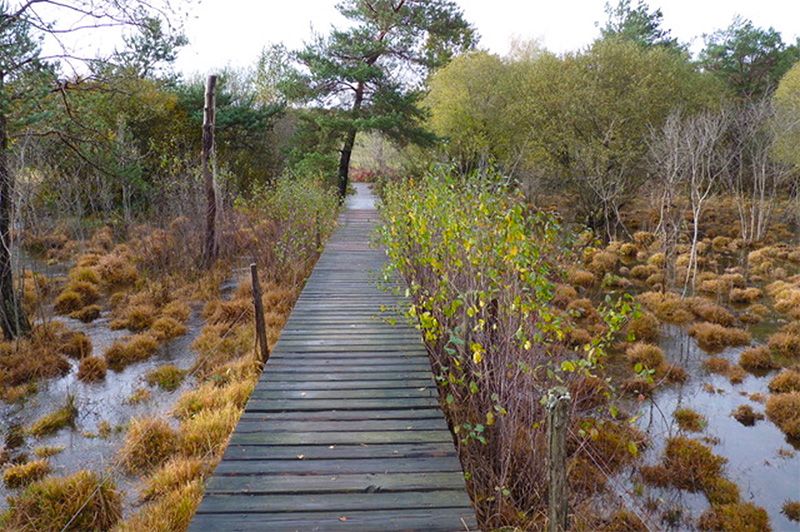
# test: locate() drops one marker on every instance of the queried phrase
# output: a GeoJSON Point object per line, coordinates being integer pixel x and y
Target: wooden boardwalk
{"type": "Point", "coordinates": [343, 430]}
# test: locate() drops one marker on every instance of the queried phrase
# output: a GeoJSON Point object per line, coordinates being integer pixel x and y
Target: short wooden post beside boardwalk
{"type": "Point", "coordinates": [344, 429]}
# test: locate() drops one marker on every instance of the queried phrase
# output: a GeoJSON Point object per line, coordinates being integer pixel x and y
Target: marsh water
{"type": "Point", "coordinates": [762, 461]}
{"type": "Point", "coordinates": [99, 403]}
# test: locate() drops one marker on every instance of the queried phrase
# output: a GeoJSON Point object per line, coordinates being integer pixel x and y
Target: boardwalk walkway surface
{"type": "Point", "coordinates": [343, 430]}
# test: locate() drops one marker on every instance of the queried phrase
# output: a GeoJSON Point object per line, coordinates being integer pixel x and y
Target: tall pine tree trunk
{"type": "Point", "coordinates": [349, 142]}
{"type": "Point", "coordinates": [14, 321]}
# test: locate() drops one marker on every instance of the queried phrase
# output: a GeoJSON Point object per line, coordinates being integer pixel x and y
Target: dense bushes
{"type": "Point", "coordinates": [482, 270]}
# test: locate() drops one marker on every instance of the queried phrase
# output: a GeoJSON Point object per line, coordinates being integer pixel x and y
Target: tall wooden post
{"type": "Point", "coordinates": [211, 248]}
{"type": "Point", "coordinates": [261, 328]}
{"type": "Point", "coordinates": [558, 400]}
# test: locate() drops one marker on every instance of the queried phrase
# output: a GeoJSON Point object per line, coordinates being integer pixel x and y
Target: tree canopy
{"type": "Point", "coordinates": [370, 75]}
{"type": "Point", "coordinates": [749, 59]}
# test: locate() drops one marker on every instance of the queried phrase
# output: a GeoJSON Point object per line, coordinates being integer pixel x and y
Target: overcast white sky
{"type": "Point", "coordinates": [232, 32]}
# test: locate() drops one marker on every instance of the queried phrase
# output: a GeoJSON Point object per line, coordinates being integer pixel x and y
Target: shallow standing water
{"type": "Point", "coordinates": [105, 401]}
{"type": "Point", "coordinates": [761, 460]}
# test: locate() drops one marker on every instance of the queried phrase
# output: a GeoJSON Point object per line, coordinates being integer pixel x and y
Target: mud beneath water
{"type": "Point", "coordinates": [761, 460]}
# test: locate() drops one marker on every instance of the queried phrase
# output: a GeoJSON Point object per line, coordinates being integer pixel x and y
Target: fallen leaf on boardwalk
{"type": "Point", "coordinates": [343, 519]}
{"type": "Point", "coordinates": [300, 456]}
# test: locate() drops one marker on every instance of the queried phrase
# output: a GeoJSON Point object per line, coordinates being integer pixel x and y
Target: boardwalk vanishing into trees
{"type": "Point", "coordinates": [344, 429]}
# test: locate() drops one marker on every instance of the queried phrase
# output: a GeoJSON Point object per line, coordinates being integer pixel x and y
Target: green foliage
{"type": "Point", "coordinates": [637, 24]}
{"type": "Point", "coordinates": [368, 75]}
{"type": "Point", "coordinates": [787, 103]}
{"type": "Point", "coordinates": [750, 60]}
{"type": "Point", "coordinates": [578, 123]}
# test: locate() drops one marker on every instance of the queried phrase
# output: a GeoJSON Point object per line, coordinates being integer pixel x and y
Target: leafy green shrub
{"type": "Point", "coordinates": [483, 269]}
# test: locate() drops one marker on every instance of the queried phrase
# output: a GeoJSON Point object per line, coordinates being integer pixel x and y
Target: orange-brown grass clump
{"type": "Point", "coordinates": [207, 432]}
{"type": "Point", "coordinates": [710, 312]}
{"type": "Point", "coordinates": [84, 274]}
{"type": "Point", "coordinates": [92, 369]}
{"type": "Point", "coordinates": [116, 269]}
{"type": "Point", "coordinates": [229, 313]}
{"type": "Point", "coordinates": [785, 344]}
{"type": "Point", "coordinates": [580, 278]}
{"type": "Point", "coordinates": [35, 288]}
{"type": "Point", "coordinates": [135, 349]}
{"type": "Point", "coordinates": [736, 374]}
{"type": "Point", "coordinates": [149, 443]}
{"type": "Point", "coordinates": [717, 365]}
{"type": "Point", "coordinates": [19, 475]}
{"type": "Point", "coordinates": [27, 360]}
{"type": "Point", "coordinates": [218, 344]}
{"type": "Point", "coordinates": [791, 509]}
{"type": "Point", "coordinates": [68, 301]}
{"type": "Point", "coordinates": [56, 420]}
{"type": "Point", "coordinates": [83, 500]}
{"type": "Point", "coordinates": [783, 409]}
{"type": "Point", "coordinates": [75, 345]}
{"type": "Point", "coordinates": [177, 310]}
{"type": "Point", "coordinates": [743, 296]}
{"type": "Point", "coordinates": [167, 377]}
{"type": "Point", "coordinates": [720, 490]}
{"type": "Point", "coordinates": [788, 302]}
{"type": "Point", "coordinates": [689, 420]}
{"type": "Point", "coordinates": [648, 355]}
{"type": "Point", "coordinates": [209, 396]}
{"type": "Point", "coordinates": [166, 328]}
{"type": "Point", "coordinates": [46, 451]}
{"type": "Point", "coordinates": [745, 415]}
{"type": "Point", "coordinates": [667, 307]}
{"type": "Point", "coordinates": [172, 511]}
{"type": "Point", "coordinates": [642, 272]}
{"type": "Point", "coordinates": [563, 295]}
{"type": "Point", "coordinates": [644, 328]}
{"type": "Point", "coordinates": [172, 475]}
{"type": "Point", "coordinates": [690, 463]}
{"type": "Point", "coordinates": [87, 314]}
{"type": "Point", "coordinates": [740, 516]}
{"type": "Point", "coordinates": [138, 318]}
{"type": "Point", "coordinates": [713, 338]}
{"type": "Point", "coordinates": [603, 262]}
{"type": "Point", "coordinates": [786, 381]}
{"type": "Point", "coordinates": [756, 359]}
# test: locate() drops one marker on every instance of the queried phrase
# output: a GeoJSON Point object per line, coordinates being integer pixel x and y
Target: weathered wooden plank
{"type": "Point", "coordinates": [279, 405]}
{"type": "Point", "coordinates": [363, 436]}
{"type": "Point", "coordinates": [291, 425]}
{"type": "Point", "coordinates": [348, 483]}
{"type": "Point", "coordinates": [340, 452]}
{"type": "Point", "coordinates": [433, 520]}
{"type": "Point", "coordinates": [345, 394]}
{"type": "Point", "coordinates": [284, 376]}
{"type": "Point", "coordinates": [345, 385]}
{"type": "Point", "coordinates": [332, 415]}
{"type": "Point", "coordinates": [304, 466]}
{"type": "Point", "coordinates": [338, 502]}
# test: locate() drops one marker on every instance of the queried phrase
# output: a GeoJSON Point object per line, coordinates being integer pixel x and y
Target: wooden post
{"type": "Point", "coordinates": [261, 328]}
{"type": "Point", "coordinates": [317, 232]}
{"type": "Point", "coordinates": [211, 247]}
{"type": "Point", "coordinates": [558, 400]}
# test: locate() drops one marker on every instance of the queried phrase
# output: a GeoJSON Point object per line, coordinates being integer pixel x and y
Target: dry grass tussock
{"type": "Point", "coordinates": [92, 369]}
{"type": "Point", "coordinates": [167, 377]}
{"type": "Point", "coordinates": [55, 420]}
{"type": "Point", "coordinates": [19, 475]}
{"type": "Point", "coordinates": [783, 409]}
{"type": "Point", "coordinates": [713, 338]}
{"type": "Point", "coordinates": [90, 502]}
{"type": "Point", "coordinates": [149, 442]}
